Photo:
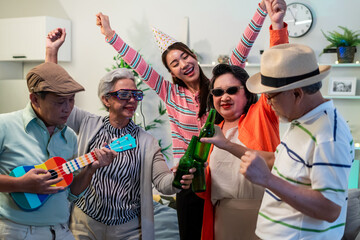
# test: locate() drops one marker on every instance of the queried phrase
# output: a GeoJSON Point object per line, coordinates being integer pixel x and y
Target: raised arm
{"type": "Point", "coordinates": [54, 40]}
{"type": "Point", "coordinates": [242, 50]}
{"type": "Point", "coordinates": [134, 59]}
{"type": "Point", "coordinates": [278, 29]}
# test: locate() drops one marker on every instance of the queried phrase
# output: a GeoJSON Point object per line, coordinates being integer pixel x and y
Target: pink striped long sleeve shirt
{"type": "Point", "coordinates": [181, 104]}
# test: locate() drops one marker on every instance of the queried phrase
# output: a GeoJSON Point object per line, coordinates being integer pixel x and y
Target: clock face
{"type": "Point", "coordinates": [299, 19]}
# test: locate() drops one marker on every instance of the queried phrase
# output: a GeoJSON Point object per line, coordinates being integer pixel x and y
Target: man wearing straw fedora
{"type": "Point", "coordinates": [306, 190]}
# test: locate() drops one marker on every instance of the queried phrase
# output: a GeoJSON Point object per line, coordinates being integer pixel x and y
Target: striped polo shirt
{"type": "Point", "coordinates": [181, 104]}
{"type": "Point", "coordinates": [316, 152]}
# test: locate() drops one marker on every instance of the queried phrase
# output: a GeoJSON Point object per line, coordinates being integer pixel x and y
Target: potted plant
{"type": "Point", "coordinates": [345, 43]}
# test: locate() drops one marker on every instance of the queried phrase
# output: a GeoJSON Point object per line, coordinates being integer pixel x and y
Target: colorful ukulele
{"type": "Point", "coordinates": [59, 167]}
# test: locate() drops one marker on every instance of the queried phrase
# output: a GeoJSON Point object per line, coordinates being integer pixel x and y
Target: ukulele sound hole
{"type": "Point", "coordinates": [53, 174]}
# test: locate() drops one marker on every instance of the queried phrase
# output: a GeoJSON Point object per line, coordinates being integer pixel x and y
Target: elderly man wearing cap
{"type": "Point", "coordinates": [31, 136]}
{"type": "Point", "coordinates": [306, 189]}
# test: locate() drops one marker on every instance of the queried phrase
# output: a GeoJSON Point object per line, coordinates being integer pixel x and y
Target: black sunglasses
{"type": "Point", "coordinates": [268, 97]}
{"type": "Point", "coordinates": [218, 92]}
{"type": "Point", "coordinates": [126, 94]}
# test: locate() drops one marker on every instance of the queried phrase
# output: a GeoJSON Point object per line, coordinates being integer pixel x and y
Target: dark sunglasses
{"type": "Point", "coordinates": [126, 94]}
{"type": "Point", "coordinates": [268, 97]}
{"type": "Point", "coordinates": [218, 92]}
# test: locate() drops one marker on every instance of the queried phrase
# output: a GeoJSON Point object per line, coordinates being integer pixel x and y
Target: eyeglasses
{"type": "Point", "coordinates": [218, 92]}
{"type": "Point", "coordinates": [126, 94]}
{"type": "Point", "coordinates": [270, 97]}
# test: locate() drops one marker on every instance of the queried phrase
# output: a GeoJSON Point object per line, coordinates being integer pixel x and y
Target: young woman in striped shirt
{"type": "Point", "coordinates": [185, 99]}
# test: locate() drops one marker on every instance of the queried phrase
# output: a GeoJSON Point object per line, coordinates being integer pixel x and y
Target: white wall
{"type": "Point", "coordinates": [215, 28]}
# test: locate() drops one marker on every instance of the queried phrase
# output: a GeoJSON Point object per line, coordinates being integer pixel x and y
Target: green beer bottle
{"type": "Point", "coordinates": [208, 130]}
{"type": "Point", "coordinates": [185, 163]}
{"type": "Point", "coordinates": [198, 182]}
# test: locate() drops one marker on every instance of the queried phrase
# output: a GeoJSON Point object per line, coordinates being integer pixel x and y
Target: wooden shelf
{"type": "Point", "coordinates": [342, 97]}
{"type": "Point", "coordinates": [339, 65]}
{"type": "Point", "coordinates": [210, 65]}
{"type": "Point", "coordinates": [207, 65]}
{"type": "Point", "coordinates": [343, 65]}
{"type": "Point", "coordinates": [252, 64]}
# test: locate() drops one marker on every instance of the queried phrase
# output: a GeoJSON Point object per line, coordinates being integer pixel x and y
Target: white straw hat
{"type": "Point", "coordinates": [285, 67]}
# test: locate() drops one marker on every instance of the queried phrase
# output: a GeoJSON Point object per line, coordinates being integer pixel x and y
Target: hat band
{"type": "Point", "coordinates": [279, 82]}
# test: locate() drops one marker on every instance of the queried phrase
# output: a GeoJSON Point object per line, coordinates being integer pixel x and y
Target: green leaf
{"type": "Point", "coordinates": [145, 89]}
{"type": "Point", "coordinates": [345, 39]}
{"type": "Point", "coordinates": [161, 108]}
{"type": "Point", "coordinates": [164, 149]}
{"type": "Point", "coordinates": [150, 126]}
{"type": "Point", "coordinates": [159, 121]}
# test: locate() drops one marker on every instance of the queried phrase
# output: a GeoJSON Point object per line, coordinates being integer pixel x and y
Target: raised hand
{"type": "Point", "coordinates": [55, 38]}
{"type": "Point", "coordinates": [263, 5]}
{"type": "Point", "coordinates": [103, 22]}
{"type": "Point", "coordinates": [39, 181]}
{"type": "Point", "coordinates": [276, 10]}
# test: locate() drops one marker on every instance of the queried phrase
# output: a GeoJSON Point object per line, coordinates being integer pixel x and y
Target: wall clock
{"type": "Point", "coordinates": [299, 19]}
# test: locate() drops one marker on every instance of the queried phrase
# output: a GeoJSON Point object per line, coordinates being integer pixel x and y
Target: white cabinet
{"type": "Point", "coordinates": [23, 39]}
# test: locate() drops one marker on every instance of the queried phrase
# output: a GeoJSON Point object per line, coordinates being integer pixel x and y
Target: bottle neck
{"type": "Point", "coordinates": [190, 150]}
{"type": "Point", "coordinates": [209, 124]}
{"type": "Point", "coordinates": [211, 117]}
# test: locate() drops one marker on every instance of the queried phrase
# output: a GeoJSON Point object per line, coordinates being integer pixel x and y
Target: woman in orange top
{"type": "Point", "coordinates": [231, 202]}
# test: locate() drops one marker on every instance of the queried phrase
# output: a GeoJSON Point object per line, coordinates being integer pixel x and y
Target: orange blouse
{"type": "Point", "coordinates": [258, 130]}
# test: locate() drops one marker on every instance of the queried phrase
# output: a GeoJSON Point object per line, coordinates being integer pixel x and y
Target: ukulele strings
{"type": "Point", "coordinates": [61, 169]}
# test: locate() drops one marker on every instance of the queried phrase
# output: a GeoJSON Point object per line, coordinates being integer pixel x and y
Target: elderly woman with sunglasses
{"type": "Point", "coordinates": [118, 202]}
{"type": "Point", "coordinates": [231, 201]}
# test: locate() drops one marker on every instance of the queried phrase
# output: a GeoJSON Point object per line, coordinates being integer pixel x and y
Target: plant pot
{"type": "Point", "coordinates": [345, 54]}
